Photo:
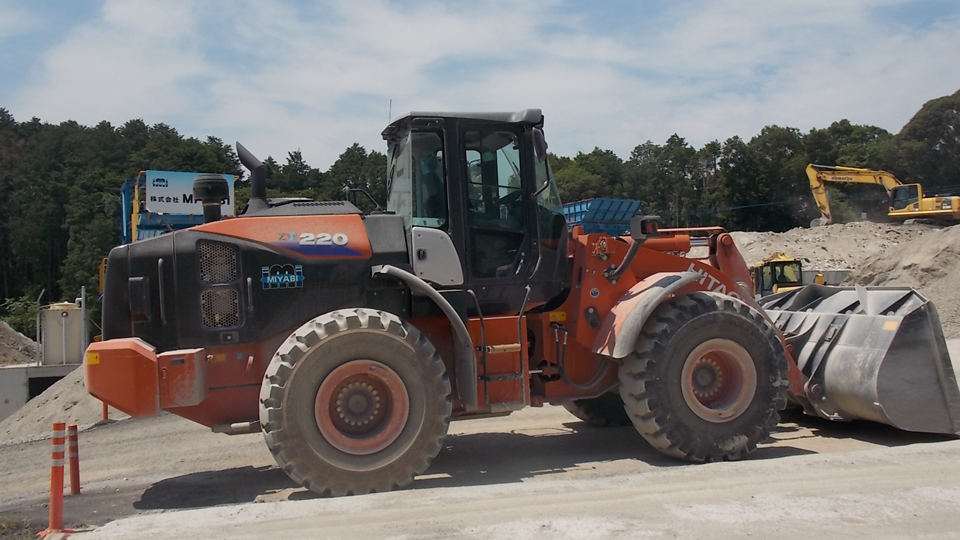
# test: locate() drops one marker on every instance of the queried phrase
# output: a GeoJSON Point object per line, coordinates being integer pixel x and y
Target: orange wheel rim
{"type": "Point", "coordinates": [718, 380]}
{"type": "Point", "coordinates": [362, 407]}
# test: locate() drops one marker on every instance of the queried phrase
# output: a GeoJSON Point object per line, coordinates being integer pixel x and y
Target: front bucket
{"type": "Point", "coordinates": [870, 353]}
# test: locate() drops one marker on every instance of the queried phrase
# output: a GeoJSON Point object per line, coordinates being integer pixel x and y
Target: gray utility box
{"type": "Point", "coordinates": [63, 334]}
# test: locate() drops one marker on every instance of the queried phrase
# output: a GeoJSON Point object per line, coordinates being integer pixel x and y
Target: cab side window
{"type": "Point", "coordinates": [767, 279]}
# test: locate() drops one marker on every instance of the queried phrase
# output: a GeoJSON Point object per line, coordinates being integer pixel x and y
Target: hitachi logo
{"type": "Point", "coordinates": [711, 283]}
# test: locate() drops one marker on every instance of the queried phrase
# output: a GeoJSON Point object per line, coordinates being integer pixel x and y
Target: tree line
{"type": "Point", "coordinates": [760, 184]}
{"type": "Point", "coordinates": [61, 213]}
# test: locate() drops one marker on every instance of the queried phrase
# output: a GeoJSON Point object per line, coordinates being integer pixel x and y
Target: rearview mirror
{"type": "Point", "coordinates": [540, 144]}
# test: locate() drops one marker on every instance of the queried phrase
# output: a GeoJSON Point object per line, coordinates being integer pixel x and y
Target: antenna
{"type": "Point", "coordinates": [390, 112]}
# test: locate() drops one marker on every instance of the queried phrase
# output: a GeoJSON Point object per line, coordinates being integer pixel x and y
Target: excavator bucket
{"type": "Point", "coordinates": [870, 353]}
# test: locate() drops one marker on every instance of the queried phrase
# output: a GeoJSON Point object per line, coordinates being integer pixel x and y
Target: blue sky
{"type": "Point", "coordinates": [320, 75]}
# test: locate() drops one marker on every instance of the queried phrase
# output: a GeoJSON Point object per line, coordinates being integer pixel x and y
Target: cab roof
{"type": "Point", "coordinates": [526, 116]}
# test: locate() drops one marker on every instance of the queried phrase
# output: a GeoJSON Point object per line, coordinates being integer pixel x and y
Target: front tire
{"type": "Point", "coordinates": [355, 401]}
{"type": "Point", "coordinates": [707, 378]}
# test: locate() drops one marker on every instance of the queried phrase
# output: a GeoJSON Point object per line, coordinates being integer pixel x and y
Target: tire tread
{"type": "Point", "coordinates": [640, 381]}
{"type": "Point", "coordinates": [296, 348]}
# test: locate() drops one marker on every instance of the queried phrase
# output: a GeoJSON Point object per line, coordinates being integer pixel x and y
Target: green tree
{"type": "Point", "coordinates": [294, 175]}
{"type": "Point", "coordinates": [846, 144]}
{"type": "Point", "coordinates": [91, 225]}
{"type": "Point", "coordinates": [59, 189]}
{"type": "Point", "coordinates": [780, 156]}
{"type": "Point", "coordinates": [35, 213]}
{"type": "Point", "coordinates": [10, 156]}
{"type": "Point", "coordinates": [739, 175]}
{"type": "Point", "coordinates": [20, 314]}
{"type": "Point", "coordinates": [576, 184]}
{"type": "Point", "coordinates": [663, 179]}
{"type": "Point", "coordinates": [642, 169]}
{"type": "Point", "coordinates": [928, 146]}
{"type": "Point", "coordinates": [707, 193]}
{"type": "Point", "coordinates": [356, 168]}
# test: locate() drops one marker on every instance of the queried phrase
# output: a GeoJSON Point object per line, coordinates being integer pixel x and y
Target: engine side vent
{"type": "Point", "coordinates": [220, 307]}
{"type": "Point", "coordinates": [218, 262]}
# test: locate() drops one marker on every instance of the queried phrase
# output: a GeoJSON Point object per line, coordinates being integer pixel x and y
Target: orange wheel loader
{"type": "Point", "coordinates": [351, 341]}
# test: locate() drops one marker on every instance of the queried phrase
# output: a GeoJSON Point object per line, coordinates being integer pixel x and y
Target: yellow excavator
{"type": "Point", "coordinates": [906, 201]}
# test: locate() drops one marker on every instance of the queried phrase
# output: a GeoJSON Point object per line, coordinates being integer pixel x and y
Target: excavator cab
{"type": "Point", "coordinates": [902, 197]}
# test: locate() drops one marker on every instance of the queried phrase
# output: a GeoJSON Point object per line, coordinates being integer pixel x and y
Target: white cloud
{"type": "Point", "coordinates": [319, 77]}
{"type": "Point", "coordinates": [14, 20]}
{"type": "Point", "coordinates": [131, 62]}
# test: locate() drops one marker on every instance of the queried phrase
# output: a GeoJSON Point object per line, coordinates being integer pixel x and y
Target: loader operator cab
{"type": "Point", "coordinates": [480, 205]}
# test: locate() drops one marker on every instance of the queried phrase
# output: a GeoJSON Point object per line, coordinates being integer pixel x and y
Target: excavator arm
{"type": "Point", "coordinates": [819, 175]}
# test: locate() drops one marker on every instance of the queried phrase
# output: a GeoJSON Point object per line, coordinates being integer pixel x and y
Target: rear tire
{"type": "Point", "coordinates": [605, 411]}
{"type": "Point", "coordinates": [707, 378]}
{"type": "Point", "coordinates": [355, 401]}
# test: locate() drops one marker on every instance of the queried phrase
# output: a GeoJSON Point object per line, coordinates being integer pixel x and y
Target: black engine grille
{"type": "Point", "coordinates": [218, 262]}
{"type": "Point", "coordinates": [221, 308]}
{"type": "Point", "coordinates": [219, 266]}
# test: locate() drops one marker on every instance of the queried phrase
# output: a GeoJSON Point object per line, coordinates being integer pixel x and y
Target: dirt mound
{"type": "Point", "coordinates": [931, 264]}
{"type": "Point", "coordinates": [832, 247]}
{"type": "Point", "coordinates": [16, 348]}
{"type": "Point", "coordinates": [66, 401]}
{"type": "Point", "coordinates": [921, 256]}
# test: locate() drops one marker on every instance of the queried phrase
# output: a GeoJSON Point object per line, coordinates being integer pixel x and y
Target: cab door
{"type": "Point", "coordinates": [500, 251]}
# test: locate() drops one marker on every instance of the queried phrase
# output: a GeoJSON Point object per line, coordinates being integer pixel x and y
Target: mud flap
{"type": "Point", "coordinates": [870, 353]}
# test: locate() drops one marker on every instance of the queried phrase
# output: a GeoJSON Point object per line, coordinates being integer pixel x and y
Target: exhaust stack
{"type": "Point", "coordinates": [258, 175]}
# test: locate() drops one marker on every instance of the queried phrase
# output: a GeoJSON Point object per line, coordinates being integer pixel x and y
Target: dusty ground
{"type": "Point", "coordinates": [538, 472]}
